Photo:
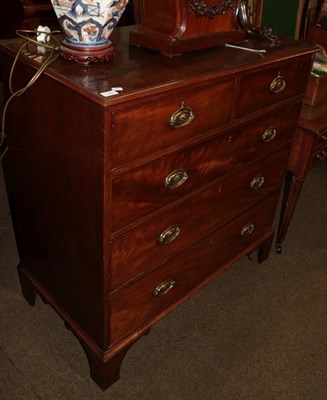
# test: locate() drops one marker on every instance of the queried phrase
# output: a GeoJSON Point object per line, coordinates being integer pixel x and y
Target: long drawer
{"type": "Point", "coordinates": [271, 86]}
{"type": "Point", "coordinates": [165, 235]}
{"type": "Point", "coordinates": [152, 186]}
{"type": "Point", "coordinates": [137, 304]}
{"type": "Point", "coordinates": [146, 127]}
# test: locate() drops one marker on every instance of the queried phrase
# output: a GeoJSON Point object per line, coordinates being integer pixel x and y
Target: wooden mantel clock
{"type": "Point", "coordinates": [174, 27]}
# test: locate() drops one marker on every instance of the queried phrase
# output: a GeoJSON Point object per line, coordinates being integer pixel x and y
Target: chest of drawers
{"type": "Point", "coordinates": [125, 206]}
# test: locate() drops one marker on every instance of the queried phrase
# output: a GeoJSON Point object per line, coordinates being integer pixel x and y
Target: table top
{"type": "Point", "coordinates": [314, 118]}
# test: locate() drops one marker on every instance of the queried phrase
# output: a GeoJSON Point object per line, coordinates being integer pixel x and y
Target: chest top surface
{"type": "Point", "coordinates": [141, 72]}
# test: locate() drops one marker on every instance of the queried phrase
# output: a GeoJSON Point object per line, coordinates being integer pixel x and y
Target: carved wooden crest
{"type": "Point", "coordinates": [200, 8]}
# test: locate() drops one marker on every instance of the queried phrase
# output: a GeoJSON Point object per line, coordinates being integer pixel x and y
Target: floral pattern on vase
{"type": "Point", "coordinates": [88, 22]}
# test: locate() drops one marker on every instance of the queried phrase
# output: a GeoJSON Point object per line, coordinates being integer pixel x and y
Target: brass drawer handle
{"type": "Point", "coordinates": [269, 135]}
{"type": "Point", "coordinates": [247, 230]}
{"type": "Point", "coordinates": [182, 117]}
{"type": "Point", "coordinates": [322, 156]}
{"type": "Point", "coordinates": [278, 85]}
{"type": "Point", "coordinates": [170, 234]}
{"type": "Point", "coordinates": [257, 182]}
{"type": "Point", "coordinates": [164, 288]}
{"type": "Point", "coordinates": [176, 178]}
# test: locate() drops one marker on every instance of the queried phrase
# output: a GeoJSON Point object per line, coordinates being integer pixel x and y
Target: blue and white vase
{"type": "Point", "coordinates": [87, 25]}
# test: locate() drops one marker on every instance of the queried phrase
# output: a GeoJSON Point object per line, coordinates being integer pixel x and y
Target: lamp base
{"type": "Point", "coordinates": [84, 55]}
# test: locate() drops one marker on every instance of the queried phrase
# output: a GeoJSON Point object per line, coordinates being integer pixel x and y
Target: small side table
{"type": "Point", "coordinates": [309, 148]}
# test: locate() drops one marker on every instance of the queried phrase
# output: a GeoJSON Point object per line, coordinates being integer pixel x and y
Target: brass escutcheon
{"type": "Point", "coordinates": [247, 230]}
{"type": "Point", "coordinates": [164, 288]}
{"type": "Point", "coordinates": [278, 85]}
{"type": "Point", "coordinates": [257, 182]}
{"type": "Point", "coordinates": [182, 117]}
{"type": "Point", "coordinates": [170, 234]}
{"type": "Point", "coordinates": [269, 135]}
{"type": "Point", "coordinates": [176, 178]}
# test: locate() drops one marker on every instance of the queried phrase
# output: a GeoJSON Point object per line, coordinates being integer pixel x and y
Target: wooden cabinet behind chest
{"type": "Point", "coordinates": [125, 206]}
{"type": "Point", "coordinates": [26, 14]}
{"type": "Point", "coordinates": [29, 14]}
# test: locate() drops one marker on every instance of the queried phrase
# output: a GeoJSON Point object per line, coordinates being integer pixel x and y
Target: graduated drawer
{"type": "Point", "coordinates": [264, 88]}
{"type": "Point", "coordinates": [163, 236]}
{"type": "Point", "coordinates": [144, 190]}
{"type": "Point", "coordinates": [158, 123]}
{"type": "Point", "coordinates": [141, 302]}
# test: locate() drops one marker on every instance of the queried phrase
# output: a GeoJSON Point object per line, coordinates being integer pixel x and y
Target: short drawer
{"type": "Point", "coordinates": [147, 127]}
{"type": "Point", "coordinates": [264, 88]}
{"type": "Point", "coordinates": [163, 236]}
{"type": "Point", "coordinates": [318, 155]}
{"type": "Point", "coordinates": [156, 184]}
{"type": "Point", "coordinates": [321, 141]}
{"type": "Point", "coordinates": [139, 303]}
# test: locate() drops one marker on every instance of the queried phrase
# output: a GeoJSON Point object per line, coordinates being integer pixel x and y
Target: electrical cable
{"type": "Point", "coordinates": [51, 57]}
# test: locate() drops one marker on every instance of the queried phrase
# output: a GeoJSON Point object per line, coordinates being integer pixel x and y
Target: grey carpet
{"type": "Point", "coordinates": [258, 332]}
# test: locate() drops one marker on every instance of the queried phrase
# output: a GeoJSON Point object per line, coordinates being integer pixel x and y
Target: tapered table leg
{"type": "Point", "coordinates": [291, 195]}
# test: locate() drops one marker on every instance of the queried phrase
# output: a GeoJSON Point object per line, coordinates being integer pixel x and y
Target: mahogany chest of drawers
{"type": "Point", "coordinates": [125, 206]}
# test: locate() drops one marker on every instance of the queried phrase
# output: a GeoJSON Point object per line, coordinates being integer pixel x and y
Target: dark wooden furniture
{"type": "Point", "coordinates": [309, 148]}
{"type": "Point", "coordinates": [29, 14]}
{"type": "Point", "coordinates": [318, 34]}
{"type": "Point", "coordinates": [310, 144]}
{"type": "Point", "coordinates": [174, 27]}
{"type": "Point", "coordinates": [125, 206]}
{"type": "Point", "coordinates": [25, 14]}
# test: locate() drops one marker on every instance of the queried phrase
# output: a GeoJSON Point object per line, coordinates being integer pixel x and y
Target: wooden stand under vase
{"type": "Point", "coordinates": [87, 26]}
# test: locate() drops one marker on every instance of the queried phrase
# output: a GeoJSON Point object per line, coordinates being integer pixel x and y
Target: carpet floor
{"type": "Point", "coordinates": [258, 332]}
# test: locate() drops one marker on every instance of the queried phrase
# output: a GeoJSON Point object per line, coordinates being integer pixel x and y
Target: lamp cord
{"type": "Point", "coordinates": [51, 57]}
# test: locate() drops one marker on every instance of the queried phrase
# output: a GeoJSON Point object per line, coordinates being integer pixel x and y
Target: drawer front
{"type": "Point", "coordinates": [137, 304]}
{"type": "Point", "coordinates": [318, 156]}
{"type": "Point", "coordinates": [172, 231]}
{"type": "Point", "coordinates": [264, 88]}
{"type": "Point", "coordinates": [144, 190]}
{"type": "Point", "coordinates": [322, 141]}
{"type": "Point", "coordinates": [145, 128]}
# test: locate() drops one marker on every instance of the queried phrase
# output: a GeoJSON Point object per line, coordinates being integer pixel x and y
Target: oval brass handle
{"type": "Point", "coordinates": [164, 288]}
{"type": "Point", "coordinates": [176, 178]}
{"type": "Point", "coordinates": [269, 135]}
{"type": "Point", "coordinates": [322, 156]}
{"type": "Point", "coordinates": [247, 230]}
{"type": "Point", "coordinates": [182, 117]}
{"type": "Point", "coordinates": [278, 85]}
{"type": "Point", "coordinates": [257, 182]}
{"type": "Point", "coordinates": [170, 234]}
